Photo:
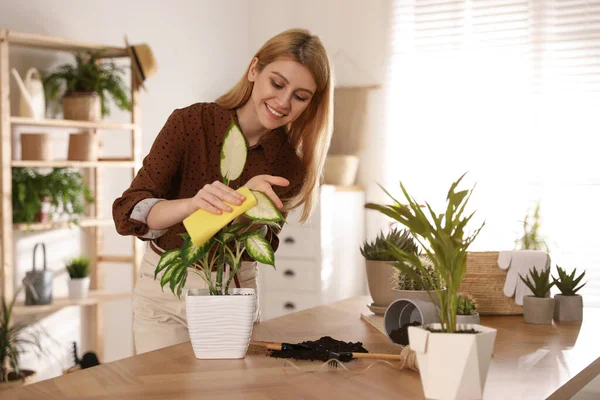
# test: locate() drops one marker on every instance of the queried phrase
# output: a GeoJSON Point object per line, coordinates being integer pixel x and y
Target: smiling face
{"type": "Point", "coordinates": [282, 91]}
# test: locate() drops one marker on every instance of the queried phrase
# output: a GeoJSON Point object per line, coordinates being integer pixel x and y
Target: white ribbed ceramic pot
{"type": "Point", "coordinates": [220, 326]}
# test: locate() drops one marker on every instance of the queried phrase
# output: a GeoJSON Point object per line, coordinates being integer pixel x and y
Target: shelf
{"type": "Point", "coordinates": [73, 164]}
{"type": "Point", "coordinates": [84, 223]}
{"type": "Point", "coordinates": [65, 123]}
{"type": "Point", "coordinates": [53, 43]}
{"type": "Point", "coordinates": [94, 297]}
{"type": "Point", "coordinates": [115, 259]}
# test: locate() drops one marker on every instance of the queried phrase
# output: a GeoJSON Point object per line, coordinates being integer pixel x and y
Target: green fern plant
{"type": "Point", "coordinates": [89, 74]}
{"type": "Point", "coordinates": [466, 304]}
{"type": "Point", "coordinates": [567, 283]}
{"type": "Point", "coordinates": [78, 267]}
{"type": "Point", "coordinates": [540, 284]}
{"type": "Point", "coordinates": [377, 250]}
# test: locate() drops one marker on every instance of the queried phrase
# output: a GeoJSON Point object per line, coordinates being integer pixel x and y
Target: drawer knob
{"type": "Point", "coordinates": [289, 305]}
{"type": "Point", "coordinates": [289, 240]}
{"type": "Point", "coordinates": [289, 272]}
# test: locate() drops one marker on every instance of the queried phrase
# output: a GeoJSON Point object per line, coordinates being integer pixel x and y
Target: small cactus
{"type": "Point", "coordinates": [539, 284]}
{"type": "Point", "coordinates": [377, 250]}
{"type": "Point", "coordinates": [466, 304]}
{"type": "Point", "coordinates": [430, 282]}
{"type": "Point", "coordinates": [567, 284]}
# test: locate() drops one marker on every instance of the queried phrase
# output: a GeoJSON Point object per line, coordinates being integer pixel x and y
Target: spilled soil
{"type": "Point", "coordinates": [400, 335]}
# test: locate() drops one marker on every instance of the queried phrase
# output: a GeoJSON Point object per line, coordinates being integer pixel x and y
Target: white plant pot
{"type": "Point", "coordinates": [468, 319]}
{"type": "Point", "coordinates": [453, 366]}
{"type": "Point", "coordinates": [220, 326]}
{"type": "Point", "coordinates": [79, 288]}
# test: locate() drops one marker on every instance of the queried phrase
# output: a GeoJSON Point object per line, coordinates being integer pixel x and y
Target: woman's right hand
{"type": "Point", "coordinates": [212, 198]}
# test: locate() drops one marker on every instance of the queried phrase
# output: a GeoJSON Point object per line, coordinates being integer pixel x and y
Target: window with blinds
{"type": "Point", "coordinates": [508, 91]}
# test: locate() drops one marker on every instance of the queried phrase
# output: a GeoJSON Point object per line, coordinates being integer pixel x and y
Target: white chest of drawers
{"type": "Point", "coordinates": [318, 261]}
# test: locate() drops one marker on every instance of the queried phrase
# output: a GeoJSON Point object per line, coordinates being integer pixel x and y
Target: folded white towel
{"type": "Point", "coordinates": [521, 262]}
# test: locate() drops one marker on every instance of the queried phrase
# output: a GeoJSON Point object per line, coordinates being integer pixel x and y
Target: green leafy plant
{"type": "Point", "coordinates": [466, 304]}
{"type": "Point", "coordinates": [443, 238]}
{"type": "Point", "coordinates": [15, 339]}
{"type": "Point", "coordinates": [78, 267]}
{"type": "Point", "coordinates": [531, 239]}
{"type": "Point", "coordinates": [377, 250]}
{"type": "Point", "coordinates": [89, 74]}
{"type": "Point", "coordinates": [540, 283]}
{"type": "Point", "coordinates": [66, 190]}
{"type": "Point", "coordinates": [567, 283]}
{"type": "Point", "coordinates": [227, 247]}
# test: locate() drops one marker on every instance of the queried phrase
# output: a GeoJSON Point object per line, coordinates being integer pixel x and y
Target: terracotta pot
{"type": "Point", "coordinates": [568, 308]}
{"type": "Point", "coordinates": [36, 146]}
{"type": "Point", "coordinates": [538, 310]}
{"type": "Point", "coordinates": [82, 106]}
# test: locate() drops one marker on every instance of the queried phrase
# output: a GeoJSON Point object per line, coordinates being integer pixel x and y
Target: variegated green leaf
{"type": "Point", "coordinates": [233, 153]}
{"type": "Point", "coordinates": [234, 228]}
{"type": "Point", "coordinates": [177, 276]}
{"type": "Point", "coordinates": [190, 253]}
{"type": "Point", "coordinates": [169, 272]}
{"type": "Point", "coordinates": [260, 249]}
{"type": "Point", "coordinates": [264, 210]}
{"type": "Point", "coordinates": [166, 259]}
{"type": "Point", "coordinates": [226, 237]}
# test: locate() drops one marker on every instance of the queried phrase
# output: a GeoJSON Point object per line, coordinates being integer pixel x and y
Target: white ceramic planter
{"type": "Point", "coordinates": [468, 319]}
{"type": "Point", "coordinates": [220, 326]}
{"type": "Point", "coordinates": [568, 308]}
{"type": "Point", "coordinates": [79, 288]}
{"type": "Point", "coordinates": [453, 366]}
{"type": "Point", "coordinates": [538, 310]}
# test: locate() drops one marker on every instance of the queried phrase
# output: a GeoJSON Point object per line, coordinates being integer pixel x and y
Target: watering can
{"type": "Point", "coordinates": [38, 284]}
{"type": "Point", "coordinates": [32, 103]}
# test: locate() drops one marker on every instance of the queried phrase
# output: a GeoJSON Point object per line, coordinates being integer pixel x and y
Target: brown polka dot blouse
{"type": "Point", "coordinates": [185, 156]}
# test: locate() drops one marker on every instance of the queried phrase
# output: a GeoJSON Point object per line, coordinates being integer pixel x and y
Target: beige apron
{"type": "Point", "coordinates": [159, 316]}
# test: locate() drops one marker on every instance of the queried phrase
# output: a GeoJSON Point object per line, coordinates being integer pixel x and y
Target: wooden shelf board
{"type": "Point", "coordinates": [55, 43]}
{"type": "Point", "coordinates": [84, 223]}
{"type": "Point", "coordinates": [115, 259]}
{"type": "Point", "coordinates": [73, 164]}
{"type": "Point", "coordinates": [94, 297]}
{"type": "Point", "coordinates": [65, 123]}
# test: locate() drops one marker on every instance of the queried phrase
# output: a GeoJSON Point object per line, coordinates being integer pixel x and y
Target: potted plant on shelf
{"type": "Point", "coordinates": [426, 288]}
{"type": "Point", "coordinates": [220, 319]}
{"type": "Point", "coordinates": [15, 339]}
{"type": "Point", "coordinates": [453, 360]}
{"type": "Point", "coordinates": [466, 312]}
{"type": "Point", "coordinates": [85, 86]}
{"type": "Point", "coordinates": [539, 308]}
{"type": "Point", "coordinates": [380, 271]}
{"type": "Point", "coordinates": [38, 197]}
{"type": "Point", "coordinates": [79, 282]}
{"type": "Point", "coordinates": [568, 304]}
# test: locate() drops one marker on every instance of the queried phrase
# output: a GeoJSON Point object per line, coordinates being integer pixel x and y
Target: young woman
{"type": "Point", "coordinates": [284, 107]}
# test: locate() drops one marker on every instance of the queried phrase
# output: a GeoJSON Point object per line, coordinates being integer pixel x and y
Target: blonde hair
{"type": "Point", "coordinates": [311, 133]}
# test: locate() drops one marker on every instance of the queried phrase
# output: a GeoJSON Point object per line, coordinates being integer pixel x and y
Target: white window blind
{"type": "Point", "coordinates": [509, 91]}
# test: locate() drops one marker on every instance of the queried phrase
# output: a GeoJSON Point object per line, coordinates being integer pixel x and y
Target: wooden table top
{"type": "Point", "coordinates": [529, 361]}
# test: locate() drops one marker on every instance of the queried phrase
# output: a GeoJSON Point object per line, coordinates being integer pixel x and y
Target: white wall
{"type": "Point", "coordinates": [356, 36]}
{"type": "Point", "coordinates": [201, 48]}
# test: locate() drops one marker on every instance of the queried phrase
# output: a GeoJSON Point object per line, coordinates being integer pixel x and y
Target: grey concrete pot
{"type": "Point", "coordinates": [431, 296]}
{"type": "Point", "coordinates": [568, 308]}
{"type": "Point", "coordinates": [538, 310]}
{"type": "Point", "coordinates": [467, 319]}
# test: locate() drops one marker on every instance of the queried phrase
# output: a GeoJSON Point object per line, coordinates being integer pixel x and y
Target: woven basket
{"type": "Point", "coordinates": [36, 146]}
{"type": "Point", "coordinates": [82, 106]}
{"type": "Point", "coordinates": [82, 146]}
{"type": "Point", "coordinates": [485, 281]}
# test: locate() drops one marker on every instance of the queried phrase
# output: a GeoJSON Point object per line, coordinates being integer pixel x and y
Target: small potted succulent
{"type": "Point", "coordinates": [539, 307]}
{"type": "Point", "coordinates": [379, 264]}
{"type": "Point", "coordinates": [466, 313]}
{"type": "Point", "coordinates": [79, 274]}
{"type": "Point", "coordinates": [427, 287]}
{"type": "Point", "coordinates": [568, 304]}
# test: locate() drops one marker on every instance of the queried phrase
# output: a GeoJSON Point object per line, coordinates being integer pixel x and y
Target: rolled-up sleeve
{"type": "Point", "coordinates": [154, 180]}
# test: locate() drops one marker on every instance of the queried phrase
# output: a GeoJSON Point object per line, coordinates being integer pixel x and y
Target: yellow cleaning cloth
{"type": "Point", "coordinates": [202, 225]}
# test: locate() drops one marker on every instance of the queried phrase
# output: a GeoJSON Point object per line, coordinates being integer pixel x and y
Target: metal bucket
{"type": "Point", "coordinates": [38, 284]}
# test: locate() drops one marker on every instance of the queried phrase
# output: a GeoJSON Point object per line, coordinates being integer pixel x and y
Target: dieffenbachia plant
{"type": "Point", "coordinates": [226, 248]}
